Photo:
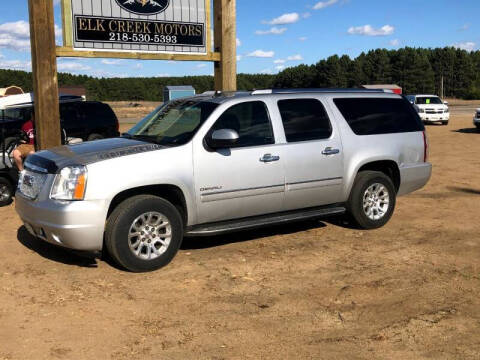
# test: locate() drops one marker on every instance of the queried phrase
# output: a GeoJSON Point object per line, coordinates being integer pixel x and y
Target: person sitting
{"type": "Point", "coordinates": [27, 148]}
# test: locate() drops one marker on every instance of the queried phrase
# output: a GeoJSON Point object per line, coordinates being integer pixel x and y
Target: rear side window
{"type": "Point", "coordinates": [98, 111]}
{"type": "Point", "coordinates": [374, 116]}
{"type": "Point", "coordinates": [304, 120]}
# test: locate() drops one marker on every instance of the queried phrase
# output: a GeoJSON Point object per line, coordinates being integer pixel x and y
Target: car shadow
{"type": "Point", "coordinates": [464, 190]}
{"type": "Point", "coordinates": [205, 242]}
{"type": "Point", "coordinates": [56, 253]}
{"type": "Point", "coordinates": [467, 131]}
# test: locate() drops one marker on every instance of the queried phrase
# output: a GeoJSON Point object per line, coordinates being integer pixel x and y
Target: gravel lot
{"type": "Point", "coordinates": [313, 290]}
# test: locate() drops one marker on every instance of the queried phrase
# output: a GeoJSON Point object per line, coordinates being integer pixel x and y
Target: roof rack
{"type": "Point", "coordinates": [320, 90]}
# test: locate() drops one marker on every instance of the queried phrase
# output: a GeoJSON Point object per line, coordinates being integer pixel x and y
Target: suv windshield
{"type": "Point", "coordinates": [429, 100]}
{"type": "Point", "coordinates": [174, 123]}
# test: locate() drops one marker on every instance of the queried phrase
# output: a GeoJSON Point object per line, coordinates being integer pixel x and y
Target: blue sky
{"type": "Point", "coordinates": [273, 35]}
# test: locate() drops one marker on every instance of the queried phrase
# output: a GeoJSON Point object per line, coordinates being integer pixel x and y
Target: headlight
{"type": "Point", "coordinates": [70, 184]}
{"type": "Point", "coordinates": [421, 111]}
{"type": "Point", "coordinates": [447, 110]}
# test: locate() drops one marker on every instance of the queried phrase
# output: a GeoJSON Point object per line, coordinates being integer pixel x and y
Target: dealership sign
{"type": "Point", "coordinates": [158, 26]}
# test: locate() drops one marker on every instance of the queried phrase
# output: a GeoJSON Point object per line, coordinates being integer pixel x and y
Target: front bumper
{"type": "Point", "coordinates": [75, 225]}
{"type": "Point", "coordinates": [434, 117]}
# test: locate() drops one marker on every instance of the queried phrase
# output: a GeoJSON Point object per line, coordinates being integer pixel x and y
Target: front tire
{"type": "Point", "coordinates": [444, 122]}
{"type": "Point", "coordinates": [6, 192]}
{"type": "Point", "coordinates": [372, 200]}
{"type": "Point", "coordinates": [144, 233]}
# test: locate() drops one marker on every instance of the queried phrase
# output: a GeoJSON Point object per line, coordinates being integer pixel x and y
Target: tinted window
{"type": "Point", "coordinates": [68, 115]}
{"type": "Point", "coordinates": [100, 113]}
{"type": "Point", "coordinates": [250, 120]}
{"type": "Point", "coordinates": [17, 114]}
{"type": "Point", "coordinates": [370, 116]}
{"type": "Point", "coordinates": [304, 119]}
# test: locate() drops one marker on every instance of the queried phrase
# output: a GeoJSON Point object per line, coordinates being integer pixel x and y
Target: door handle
{"type": "Point", "coordinates": [269, 158]}
{"type": "Point", "coordinates": [330, 151]}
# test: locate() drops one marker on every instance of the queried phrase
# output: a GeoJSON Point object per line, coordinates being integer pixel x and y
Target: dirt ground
{"type": "Point", "coordinates": [313, 290]}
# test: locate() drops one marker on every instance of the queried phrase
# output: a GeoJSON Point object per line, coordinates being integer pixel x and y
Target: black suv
{"type": "Point", "coordinates": [88, 120]}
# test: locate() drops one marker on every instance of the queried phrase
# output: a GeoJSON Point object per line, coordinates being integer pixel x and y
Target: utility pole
{"type": "Point", "coordinates": [44, 72]}
{"type": "Point", "coordinates": [225, 36]}
{"type": "Point", "coordinates": [442, 94]}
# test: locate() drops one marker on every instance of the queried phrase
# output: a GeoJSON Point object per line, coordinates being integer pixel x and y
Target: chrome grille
{"type": "Point", "coordinates": [31, 183]}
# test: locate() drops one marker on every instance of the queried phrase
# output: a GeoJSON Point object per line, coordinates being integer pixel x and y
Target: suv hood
{"type": "Point", "coordinates": [432, 106]}
{"type": "Point", "coordinates": [86, 153]}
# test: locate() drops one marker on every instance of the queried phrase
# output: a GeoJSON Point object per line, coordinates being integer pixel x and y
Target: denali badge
{"type": "Point", "coordinates": [144, 7]}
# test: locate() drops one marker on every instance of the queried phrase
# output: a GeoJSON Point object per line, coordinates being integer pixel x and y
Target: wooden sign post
{"type": "Point", "coordinates": [225, 43]}
{"type": "Point", "coordinates": [44, 71]}
{"type": "Point", "coordinates": [143, 30]}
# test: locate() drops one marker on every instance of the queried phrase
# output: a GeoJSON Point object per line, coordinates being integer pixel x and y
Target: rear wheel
{"type": "Point", "coordinates": [372, 200]}
{"type": "Point", "coordinates": [6, 192]}
{"type": "Point", "coordinates": [144, 233]}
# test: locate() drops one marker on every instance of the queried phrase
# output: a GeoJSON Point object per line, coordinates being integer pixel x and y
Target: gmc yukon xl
{"type": "Point", "coordinates": [222, 162]}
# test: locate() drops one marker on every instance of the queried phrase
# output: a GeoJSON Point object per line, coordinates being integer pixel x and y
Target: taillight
{"type": "Point", "coordinates": [425, 147]}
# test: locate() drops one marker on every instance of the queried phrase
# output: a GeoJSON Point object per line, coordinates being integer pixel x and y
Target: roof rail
{"type": "Point", "coordinates": [320, 90]}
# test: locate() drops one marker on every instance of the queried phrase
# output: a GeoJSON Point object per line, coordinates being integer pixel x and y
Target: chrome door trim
{"type": "Point", "coordinates": [302, 185]}
{"type": "Point", "coordinates": [240, 193]}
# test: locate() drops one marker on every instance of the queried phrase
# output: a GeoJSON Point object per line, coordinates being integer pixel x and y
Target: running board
{"type": "Point", "coordinates": [261, 221]}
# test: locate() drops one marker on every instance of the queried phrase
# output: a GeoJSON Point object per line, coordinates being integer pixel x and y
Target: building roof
{"type": "Point", "coordinates": [184, 87]}
{"type": "Point", "coordinates": [77, 90]}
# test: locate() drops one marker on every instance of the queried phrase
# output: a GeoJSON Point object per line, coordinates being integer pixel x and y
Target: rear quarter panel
{"type": "Point", "coordinates": [405, 149]}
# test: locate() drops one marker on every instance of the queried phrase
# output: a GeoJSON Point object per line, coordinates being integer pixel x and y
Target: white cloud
{"type": "Point", "coordinates": [262, 54]}
{"type": "Point", "coordinates": [73, 66]}
{"type": "Point", "coordinates": [465, 27]}
{"type": "Point", "coordinates": [239, 57]}
{"type": "Point", "coordinates": [296, 57]}
{"type": "Point", "coordinates": [266, 71]}
{"type": "Point", "coordinates": [201, 66]}
{"type": "Point", "coordinates": [468, 46]}
{"type": "Point", "coordinates": [164, 75]}
{"type": "Point", "coordinates": [16, 65]}
{"type": "Point", "coordinates": [306, 15]}
{"type": "Point", "coordinates": [112, 62]}
{"type": "Point", "coordinates": [303, 38]}
{"type": "Point", "coordinates": [56, 2]}
{"type": "Point", "coordinates": [284, 19]}
{"type": "Point", "coordinates": [16, 35]}
{"type": "Point", "coordinates": [280, 67]}
{"type": "Point", "coordinates": [138, 66]}
{"type": "Point", "coordinates": [368, 30]}
{"type": "Point", "coordinates": [280, 61]}
{"type": "Point", "coordinates": [273, 31]}
{"type": "Point", "coordinates": [394, 42]}
{"type": "Point", "coordinates": [323, 4]}
{"type": "Point", "coordinates": [239, 43]}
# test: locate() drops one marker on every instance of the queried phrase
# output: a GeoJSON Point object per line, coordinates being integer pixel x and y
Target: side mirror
{"type": "Point", "coordinates": [445, 102]}
{"type": "Point", "coordinates": [222, 139]}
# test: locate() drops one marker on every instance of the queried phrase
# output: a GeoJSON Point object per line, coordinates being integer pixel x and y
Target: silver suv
{"type": "Point", "coordinates": [217, 163]}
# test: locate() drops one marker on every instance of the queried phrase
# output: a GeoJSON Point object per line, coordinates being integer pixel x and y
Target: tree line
{"type": "Point", "coordinates": [416, 70]}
